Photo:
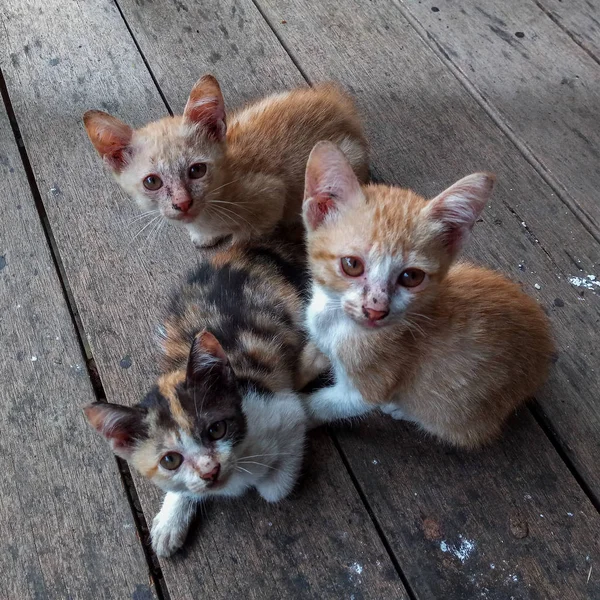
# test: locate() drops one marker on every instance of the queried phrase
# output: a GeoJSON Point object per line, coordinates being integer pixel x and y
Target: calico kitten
{"type": "Point", "coordinates": [452, 347]}
{"type": "Point", "coordinates": [238, 179]}
{"type": "Point", "coordinates": [223, 416]}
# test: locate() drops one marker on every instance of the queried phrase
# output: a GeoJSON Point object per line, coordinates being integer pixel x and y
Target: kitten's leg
{"type": "Point", "coordinates": [394, 411]}
{"type": "Point", "coordinates": [312, 363]}
{"type": "Point", "coordinates": [339, 401]}
{"type": "Point", "coordinates": [171, 524]}
{"type": "Point", "coordinates": [281, 482]}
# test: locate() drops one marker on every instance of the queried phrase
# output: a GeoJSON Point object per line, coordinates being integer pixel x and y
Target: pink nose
{"type": "Point", "coordinates": [212, 475]}
{"type": "Point", "coordinates": [182, 205]}
{"type": "Point", "coordinates": [375, 315]}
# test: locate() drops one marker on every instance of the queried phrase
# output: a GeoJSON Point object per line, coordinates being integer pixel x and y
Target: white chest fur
{"type": "Point", "coordinates": [328, 325]}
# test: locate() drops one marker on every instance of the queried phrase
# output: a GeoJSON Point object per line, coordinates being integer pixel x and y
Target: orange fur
{"type": "Point", "coordinates": [459, 353]}
{"type": "Point", "coordinates": [166, 386]}
{"type": "Point", "coordinates": [255, 172]}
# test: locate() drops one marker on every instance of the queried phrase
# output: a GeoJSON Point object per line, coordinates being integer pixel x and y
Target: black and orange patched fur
{"type": "Point", "coordinates": [223, 416]}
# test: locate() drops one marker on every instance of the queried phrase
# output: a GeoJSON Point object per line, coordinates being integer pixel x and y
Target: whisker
{"type": "Point", "coordinates": [143, 228]}
{"type": "Point", "coordinates": [239, 217]}
{"type": "Point", "coordinates": [224, 185]}
{"type": "Point", "coordinates": [213, 212]}
{"type": "Point", "coordinates": [141, 216]}
{"type": "Point", "coordinates": [421, 316]}
{"type": "Point", "coordinates": [253, 462]}
{"type": "Point", "coordinates": [259, 455]}
{"type": "Point", "coordinates": [242, 469]}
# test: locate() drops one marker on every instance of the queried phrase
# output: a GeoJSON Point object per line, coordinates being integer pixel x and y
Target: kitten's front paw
{"type": "Point", "coordinates": [167, 537]}
{"type": "Point", "coordinates": [394, 411]}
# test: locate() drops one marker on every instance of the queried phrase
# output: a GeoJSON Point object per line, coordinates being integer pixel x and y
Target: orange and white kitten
{"type": "Point", "coordinates": [239, 179]}
{"type": "Point", "coordinates": [452, 347]}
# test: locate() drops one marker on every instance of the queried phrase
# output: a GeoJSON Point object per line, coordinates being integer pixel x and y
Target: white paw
{"type": "Point", "coordinates": [274, 491]}
{"type": "Point", "coordinates": [393, 411]}
{"type": "Point", "coordinates": [167, 536]}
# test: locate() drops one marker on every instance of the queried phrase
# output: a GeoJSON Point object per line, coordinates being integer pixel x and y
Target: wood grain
{"type": "Point", "coordinates": [426, 131]}
{"type": "Point", "coordinates": [493, 524]}
{"type": "Point", "coordinates": [541, 84]}
{"type": "Point", "coordinates": [321, 543]}
{"type": "Point", "coordinates": [65, 524]}
{"type": "Point", "coordinates": [579, 18]}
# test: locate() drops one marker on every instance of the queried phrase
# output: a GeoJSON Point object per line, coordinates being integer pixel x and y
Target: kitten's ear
{"type": "Point", "coordinates": [206, 107]}
{"type": "Point", "coordinates": [122, 426]}
{"type": "Point", "coordinates": [110, 137]}
{"type": "Point", "coordinates": [207, 358]}
{"type": "Point", "coordinates": [329, 183]}
{"type": "Point", "coordinates": [458, 208]}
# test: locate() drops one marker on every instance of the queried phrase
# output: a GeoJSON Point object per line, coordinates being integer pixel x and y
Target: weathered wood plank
{"type": "Point", "coordinates": [490, 524]}
{"type": "Point", "coordinates": [426, 131]}
{"type": "Point", "coordinates": [580, 18]}
{"type": "Point", "coordinates": [66, 530]}
{"type": "Point", "coordinates": [544, 86]}
{"type": "Point", "coordinates": [321, 543]}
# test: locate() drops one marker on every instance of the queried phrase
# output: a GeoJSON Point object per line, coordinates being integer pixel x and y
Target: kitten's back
{"type": "Point", "coordinates": [275, 135]}
{"type": "Point", "coordinates": [251, 297]}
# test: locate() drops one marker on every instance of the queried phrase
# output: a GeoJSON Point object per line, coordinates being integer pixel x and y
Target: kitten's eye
{"type": "Point", "coordinates": [217, 430]}
{"type": "Point", "coordinates": [411, 278]}
{"type": "Point", "coordinates": [352, 266]}
{"type": "Point", "coordinates": [153, 183]}
{"type": "Point", "coordinates": [171, 461]}
{"type": "Point", "coordinates": [197, 171]}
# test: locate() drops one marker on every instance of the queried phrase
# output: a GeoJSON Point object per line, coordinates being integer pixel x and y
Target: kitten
{"type": "Point", "coordinates": [223, 416]}
{"type": "Point", "coordinates": [236, 180]}
{"type": "Point", "coordinates": [452, 347]}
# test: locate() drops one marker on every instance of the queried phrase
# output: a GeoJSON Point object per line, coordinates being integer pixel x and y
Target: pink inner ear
{"type": "Point", "coordinates": [329, 182]}
{"type": "Point", "coordinates": [209, 113]}
{"type": "Point", "coordinates": [205, 107]}
{"type": "Point", "coordinates": [110, 136]}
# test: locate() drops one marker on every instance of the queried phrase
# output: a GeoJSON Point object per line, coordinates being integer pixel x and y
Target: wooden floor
{"type": "Point", "coordinates": [446, 87]}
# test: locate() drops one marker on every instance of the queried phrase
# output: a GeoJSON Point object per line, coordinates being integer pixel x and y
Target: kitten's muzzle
{"type": "Point", "coordinates": [183, 206]}
{"type": "Point", "coordinates": [375, 315]}
{"type": "Point", "coordinates": [211, 475]}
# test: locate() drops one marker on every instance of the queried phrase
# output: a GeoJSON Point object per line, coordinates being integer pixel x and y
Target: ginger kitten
{"type": "Point", "coordinates": [450, 346]}
{"type": "Point", "coordinates": [229, 178]}
{"type": "Point", "coordinates": [223, 416]}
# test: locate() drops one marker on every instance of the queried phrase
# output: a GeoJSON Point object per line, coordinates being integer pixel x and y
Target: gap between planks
{"type": "Point", "coordinates": [554, 185]}
{"type": "Point", "coordinates": [557, 22]}
{"type": "Point", "coordinates": [376, 525]}
{"type": "Point", "coordinates": [430, 41]}
{"type": "Point", "coordinates": [561, 193]}
{"type": "Point", "coordinates": [94, 377]}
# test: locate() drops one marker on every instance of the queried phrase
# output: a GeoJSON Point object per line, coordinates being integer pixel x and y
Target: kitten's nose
{"type": "Point", "coordinates": [375, 315]}
{"type": "Point", "coordinates": [182, 205]}
{"type": "Point", "coordinates": [211, 475]}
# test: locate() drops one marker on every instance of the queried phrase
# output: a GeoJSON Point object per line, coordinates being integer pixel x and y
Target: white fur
{"type": "Point", "coordinates": [331, 328]}
{"type": "Point", "coordinates": [171, 524]}
{"type": "Point", "coordinates": [268, 459]}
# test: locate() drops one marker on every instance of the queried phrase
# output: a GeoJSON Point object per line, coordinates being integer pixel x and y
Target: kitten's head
{"type": "Point", "coordinates": [185, 433]}
{"type": "Point", "coordinates": [381, 251]}
{"type": "Point", "coordinates": [173, 164]}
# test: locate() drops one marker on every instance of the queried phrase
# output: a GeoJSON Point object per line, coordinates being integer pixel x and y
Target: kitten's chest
{"type": "Point", "coordinates": [328, 326]}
